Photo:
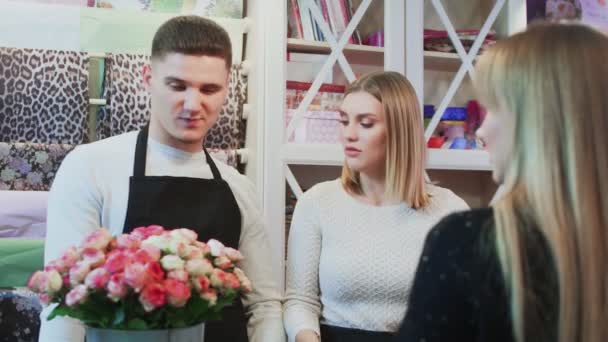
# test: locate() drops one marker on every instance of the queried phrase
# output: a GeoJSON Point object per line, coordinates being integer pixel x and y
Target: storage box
{"type": "Point", "coordinates": [319, 127]}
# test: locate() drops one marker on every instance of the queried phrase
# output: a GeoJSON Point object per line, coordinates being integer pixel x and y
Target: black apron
{"type": "Point", "coordinates": [331, 333]}
{"type": "Point", "coordinates": [206, 206]}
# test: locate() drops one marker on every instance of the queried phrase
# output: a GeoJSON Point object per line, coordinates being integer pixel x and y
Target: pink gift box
{"type": "Point", "coordinates": [319, 127]}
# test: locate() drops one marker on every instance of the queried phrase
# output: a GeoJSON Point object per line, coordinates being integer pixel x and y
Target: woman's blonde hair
{"type": "Point", "coordinates": [553, 80]}
{"type": "Point", "coordinates": [405, 143]}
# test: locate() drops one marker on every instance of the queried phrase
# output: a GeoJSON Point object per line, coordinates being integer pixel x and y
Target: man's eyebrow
{"type": "Point", "coordinates": [173, 79]}
{"type": "Point", "coordinates": [170, 79]}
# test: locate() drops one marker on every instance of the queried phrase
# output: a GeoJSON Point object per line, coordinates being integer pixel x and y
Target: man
{"type": "Point", "coordinates": [162, 175]}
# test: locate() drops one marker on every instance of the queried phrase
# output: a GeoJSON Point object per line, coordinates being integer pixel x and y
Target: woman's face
{"type": "Point", "coordinates": [497, 133]}
{"type": "Point", "coordinates": [363, 133]}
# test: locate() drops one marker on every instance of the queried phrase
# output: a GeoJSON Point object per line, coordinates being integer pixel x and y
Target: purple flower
{"type": "Point", "coordinates": [34, 178]}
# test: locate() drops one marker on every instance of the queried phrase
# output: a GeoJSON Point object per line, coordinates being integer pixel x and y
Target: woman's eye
{"type": "Point", "coordinates": [367, 124]}
{"type": "Point", "coordinates": [344, 122]}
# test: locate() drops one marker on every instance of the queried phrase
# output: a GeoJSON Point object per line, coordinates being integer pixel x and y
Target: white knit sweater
{"type": "Point", "coordinates": [351, 264]}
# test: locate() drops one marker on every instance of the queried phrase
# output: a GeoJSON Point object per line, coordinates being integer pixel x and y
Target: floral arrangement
{"type": "Point", "coordinates": [152, 278]}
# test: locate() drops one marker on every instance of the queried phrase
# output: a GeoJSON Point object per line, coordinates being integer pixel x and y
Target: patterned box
{"type": "Point", "coordinates": [320, 127]}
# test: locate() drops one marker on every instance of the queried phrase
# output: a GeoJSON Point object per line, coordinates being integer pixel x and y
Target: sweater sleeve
{"type": "Point", "coordinates": [263, 304]}
{"type": "Point", "coordinates": [302, 306]}
{"type": "Point", "coordinates": [73, 212]}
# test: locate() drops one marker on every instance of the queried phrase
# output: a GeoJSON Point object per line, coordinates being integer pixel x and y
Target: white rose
{"type": "Point", "coordinates": [184, 234]}
{"type": "Point", "coordinates": [217, 248]}
{"type": "Point", "coordinates": [55, 281]}
{"type": "Point", "coordinates": [197, 267]}
{"type": "Point", "coordinates": [157, 241]}
{"type": "Point", "coordinates": [172, 262]}
{"type": "Point", "coordinates": [177, 246]}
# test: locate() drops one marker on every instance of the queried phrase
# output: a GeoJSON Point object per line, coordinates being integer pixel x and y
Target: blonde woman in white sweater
{"type": "Point", "coordinates": [355, 242]}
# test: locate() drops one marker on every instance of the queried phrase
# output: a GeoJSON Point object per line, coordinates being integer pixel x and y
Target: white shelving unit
{"type": "Point", "coordinates": [404, 22]}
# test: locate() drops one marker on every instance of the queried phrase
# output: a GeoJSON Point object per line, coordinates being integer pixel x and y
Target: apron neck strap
{"type": "Point", "coordinates": [212, 166]}
{"type": "Point", "coordinates": [141, 150]}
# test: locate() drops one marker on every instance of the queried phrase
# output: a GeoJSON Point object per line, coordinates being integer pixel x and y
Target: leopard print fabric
{"type": "Point", "coordinates": [43, 96]}
{"type": "Point", "coordinates": [129, 103]}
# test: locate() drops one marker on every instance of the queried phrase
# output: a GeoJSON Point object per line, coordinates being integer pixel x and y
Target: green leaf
{"type": "Point", "coordinates": [119, 316]}
{"type": "Point", "coordinates": [137, 324]}
{"type": "Point", "coordinates": [59, 310]}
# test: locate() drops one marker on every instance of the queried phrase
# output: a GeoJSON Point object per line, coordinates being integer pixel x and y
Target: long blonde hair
{"type": "Point", "coordinates": [553, 80]}
{"type": "Point", "coordinates": [405, 147]}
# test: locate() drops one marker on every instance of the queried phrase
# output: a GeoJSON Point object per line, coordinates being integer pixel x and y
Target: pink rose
{"type": "Point", "coordinates": [45, 298]}
{"type": "Point", "coordinates": [233, 254]}
{"type": "Point", "coordinates": [223, 262]}
{"type": "Point", "coordinates": [34, 282]}
{"type": "Point", "coordinates": [154, 295]}
{"type": "Point", "coordinates": [154, 230]}
{"type": "Point", "coordinates": [78, 272]}
{"type": "Point", "coordinates": [245, 282]}
{"type": "Point", "coordinates": [77, 295]}
{"type": "Point", "coordinates": [67, 259]}
{"type": "Point", "coordinates": [178, 292]}
{"type": "Point", "coordinates": [142, 233]}
{"type": "Point", "coordinates": [203, 246]}
{"type": "Point", "coordinates": [184, 234]}
{"type": "Point", "coordinates": [154, 272]}
{"type": "Point", "coordinates": [139, 233]}
{"type": "Point", "coordinates": [45, 282]}
{"type": "Point", "coordinates": [142, 257]}
{"type": "Point", "coordinates": [135, 276]}
{"type": "Point", "coordinates": [231, 281]}
{"type": "Point", "coordinates": [116, 287]}
{"type": "Point", "coordinates": [197, 267]}
{"type": "Point", "coordinates": [97, 278]}
{"type": "Point", "coordinates": [210, 296]}
{"type": "Point", "coordinates": [172, 262]}
{"type": "Point", "coordinates": [98, 239]}
{"type": "Point", "coordinates": [153, 252]}
{"type": "Point", "coordinates": [218, 277]}
{"type": "Point", "coordinates": [180, 275]}
{"type": "Point", "coordinates": [93, 257]}
{"type": "Point", "coordinates": [126, 241]}
{"type": "Point", "coordinates": [201, 283]}
{"type": "Point", "coordinates": [216, 247]}
{"type": "Point", "coordinates": [116, 262]}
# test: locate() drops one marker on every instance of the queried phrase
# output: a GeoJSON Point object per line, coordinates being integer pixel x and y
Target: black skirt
{"type": "Point", "coordinates": [331, 333]}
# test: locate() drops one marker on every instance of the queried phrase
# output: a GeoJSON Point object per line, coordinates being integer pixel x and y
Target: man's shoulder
{"type": "Point", "coordinates": [111, 151]}
{"type": "Point", "coordinates": [108, 147]}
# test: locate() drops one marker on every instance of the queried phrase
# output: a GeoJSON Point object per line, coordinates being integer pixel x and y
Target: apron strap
{"type": "Point", "coordinates": [141, 148]}
{"type": "Point", "coordinates": [212, 166]}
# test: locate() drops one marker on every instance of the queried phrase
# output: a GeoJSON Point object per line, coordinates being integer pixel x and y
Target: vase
{"type": "Point", "coordinates": [190, 334]}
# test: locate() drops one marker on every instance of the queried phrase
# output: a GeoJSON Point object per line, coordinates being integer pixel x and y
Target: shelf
{"type": "Point", "coordinates": [444, 159]}
{"type": "Point", "coordinates": [433, 60]}
{"type": "Point", "coordinates": [353, 52]}
{"type": "Point", "coordinates": [331, 154]}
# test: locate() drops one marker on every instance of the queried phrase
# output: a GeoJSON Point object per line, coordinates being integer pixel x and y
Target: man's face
{"type": "Point", "coordinates": [187, 94]}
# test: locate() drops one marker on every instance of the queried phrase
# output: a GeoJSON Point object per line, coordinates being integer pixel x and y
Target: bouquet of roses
{"type": "Point", "coordinates": [151, 278]}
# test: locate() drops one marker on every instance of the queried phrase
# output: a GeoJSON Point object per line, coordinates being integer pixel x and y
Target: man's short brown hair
{"type": "Point", "coordinates": [192, 35]}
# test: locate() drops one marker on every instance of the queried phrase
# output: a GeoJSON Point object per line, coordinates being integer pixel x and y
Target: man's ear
{"type": "Point", "coordinates": [147, 76]}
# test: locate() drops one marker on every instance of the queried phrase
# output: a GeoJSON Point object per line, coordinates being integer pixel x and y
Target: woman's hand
{"type": "Point", "coordinates": [307, 336]}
